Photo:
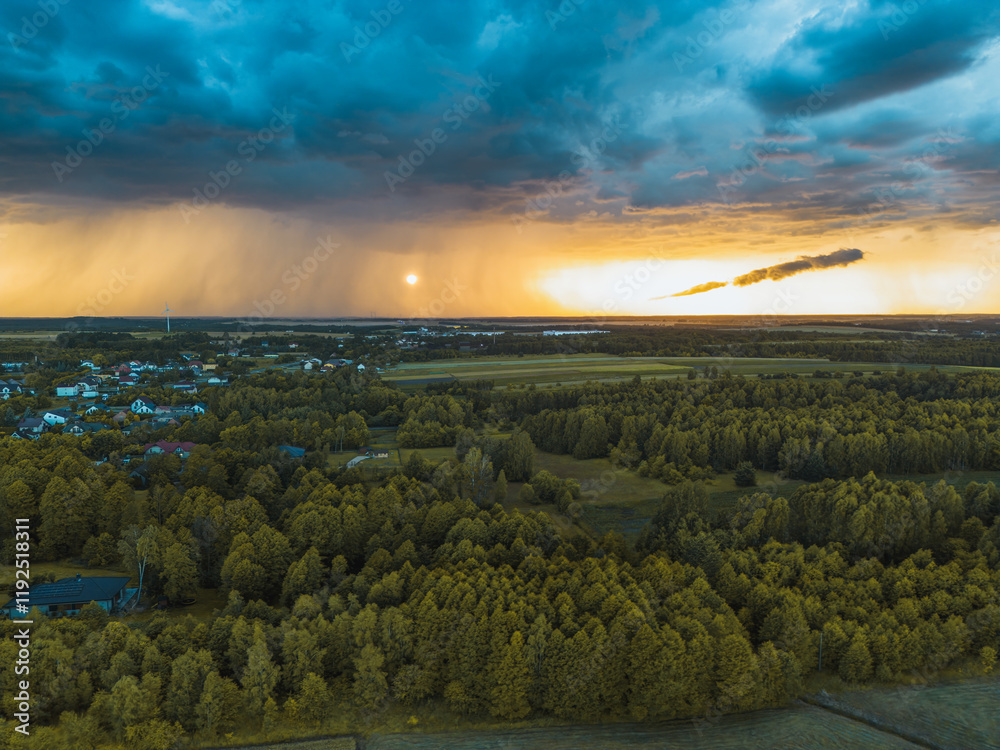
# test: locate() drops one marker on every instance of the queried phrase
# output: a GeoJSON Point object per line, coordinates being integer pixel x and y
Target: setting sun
{"type": "Point", "coordinates": [411, 279]}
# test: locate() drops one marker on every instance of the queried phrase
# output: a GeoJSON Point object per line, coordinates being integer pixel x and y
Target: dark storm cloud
{"type": "Point", "coordinates": [871, 55]}
{"type": "Point", "coordinates": [589, 98]}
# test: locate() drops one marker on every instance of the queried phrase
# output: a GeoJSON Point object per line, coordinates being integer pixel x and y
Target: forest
{"type": "Point", "coordinates": [363, 592]}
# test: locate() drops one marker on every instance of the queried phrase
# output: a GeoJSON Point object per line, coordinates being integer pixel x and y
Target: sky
{"type": "Point", "coordinates": [268, 159]}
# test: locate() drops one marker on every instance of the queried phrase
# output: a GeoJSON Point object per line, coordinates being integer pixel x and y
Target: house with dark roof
{"type": "Point", "coordinates": [142, 405]}
{"type": "Point", "coordinates": [9, 388]}
{"type": "Point", "coordinates": [182, 449]}
{"type": "Point", "coordinates": [68, 596]}
{"type": "Point", "coordinates": [32, 425]}
{"type": "Point", "coordinates": [59, 416]}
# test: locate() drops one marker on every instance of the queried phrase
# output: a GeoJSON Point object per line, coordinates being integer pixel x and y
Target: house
{"type": "Point", "coordinates": [142, 405]}
{"type": "Point", "coordinates": [68, 596]}
{"type": "Point", "coordinates": [120, 416]}
{"type": "Point", "coordinates": [94, 409]}
{"type": "Point", "coordinates": [127, 381]}
{"type": "Point", "coordinates": [9, 388]}
{"type": "Point", "coordinates": [216, 380]}
{"type": "Point", "coordinates": [199, 408]}
{"type": "Point", "coordinates": [88, 363]}
{"type": "Point", "coordinates": [63, 391]}
{"type": "Point", "coordinates": [292, 451]}
{"type": "Point", "coordinates": [184, 385]}
{"type": "Point", "coordinates": [33, 425]}
{"type": "Point", "coordinates": [196, 364]}
{"type": "Point", "coordinates": [59, 416]}
{"type": "Point", "coordinates": [373, 452]}
{"type": "Point", "coordinates": [84, 428]}
{"type": "Point", "coordinates": [23, 435]}
{"type": "Point", "coordinates": [163, 447]}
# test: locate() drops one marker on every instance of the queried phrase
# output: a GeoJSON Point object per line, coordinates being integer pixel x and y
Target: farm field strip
{"type": "Point", "coordinates": [798, 727]}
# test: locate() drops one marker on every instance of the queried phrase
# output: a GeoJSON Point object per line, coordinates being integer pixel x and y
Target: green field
{"type": "Point", "coordinates": [553, 370]}
{"type": "Point", "coordinates": [952, 716]}
{"type": "Point", "coordinates": [799, 727]}
{"type": "Point", "coordinates": [621, 501]}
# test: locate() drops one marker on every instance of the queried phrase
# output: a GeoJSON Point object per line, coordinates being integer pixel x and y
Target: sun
{"type": "Point", "coordinates": [411, 279]}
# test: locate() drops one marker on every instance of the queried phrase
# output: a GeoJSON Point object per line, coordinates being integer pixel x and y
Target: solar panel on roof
{"type": "Point", "coordinates": [60, 589]}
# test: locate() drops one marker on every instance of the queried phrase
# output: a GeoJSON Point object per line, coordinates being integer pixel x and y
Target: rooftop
{"type": "Point", "coordinates": [76, 589]}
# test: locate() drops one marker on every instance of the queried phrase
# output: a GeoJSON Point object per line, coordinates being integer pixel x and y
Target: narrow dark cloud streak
{"type": "Point", "coordinates": [843, 257]}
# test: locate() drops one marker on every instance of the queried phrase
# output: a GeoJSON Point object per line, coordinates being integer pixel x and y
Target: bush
{"type": "Point", "coordinates": [527, 495]}
{"type": "Point", "coordinates": [745, 475]}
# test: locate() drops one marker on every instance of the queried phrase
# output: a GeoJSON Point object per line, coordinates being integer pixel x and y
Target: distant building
{"type": "Point", "coordinates": [68, 596]}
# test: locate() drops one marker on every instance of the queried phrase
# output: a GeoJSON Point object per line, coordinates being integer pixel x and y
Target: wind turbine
{"type": "Point", "coordinates": [167, 311]}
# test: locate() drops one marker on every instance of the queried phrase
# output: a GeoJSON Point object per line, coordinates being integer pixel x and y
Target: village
{"type": "Point", "coordinates": [113, 398]}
